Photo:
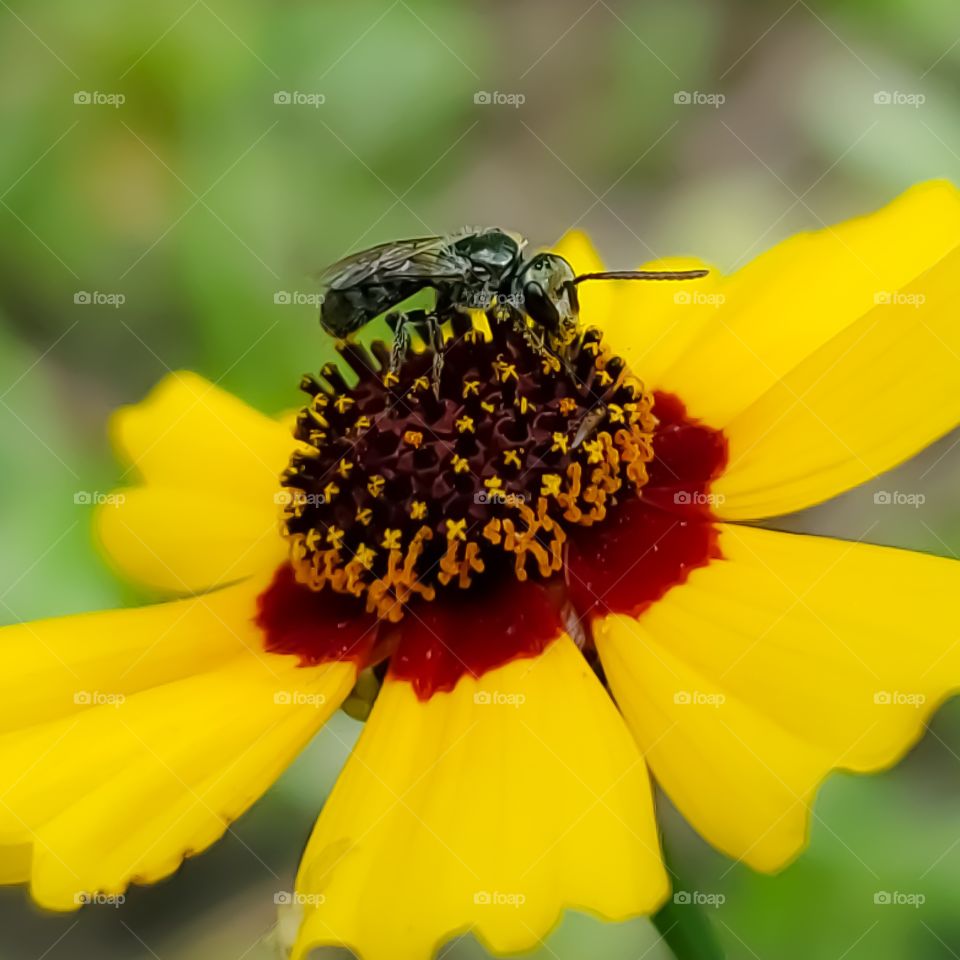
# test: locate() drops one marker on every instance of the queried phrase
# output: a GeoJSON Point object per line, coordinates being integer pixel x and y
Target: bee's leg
{"type": "Point", "coordinates": [534, 340]}
{"type": "Point", "coordinates": [555, 359]}
{"type": "Point", "coordinates": [563, 354]}
{"type": "Point", "coordinates": [436, 340]}
{"type": "Point", "coordinates": [399, 324]}
{"type": "Point", "coordinates": [502, 313]}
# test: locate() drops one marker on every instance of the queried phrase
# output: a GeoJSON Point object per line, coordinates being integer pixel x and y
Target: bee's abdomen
{"type": "Point", "coordinates": [345, 311]}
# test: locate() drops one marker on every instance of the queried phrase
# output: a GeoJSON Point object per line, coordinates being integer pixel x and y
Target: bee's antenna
{"type": "Point", "coordinates": [643, 275]}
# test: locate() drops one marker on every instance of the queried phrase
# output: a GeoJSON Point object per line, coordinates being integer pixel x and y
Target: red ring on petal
{"type": "Point", "coordinates": [649, 544]}
{"type": "Point", "coordinates": [473, 632]}
{"type": "Point", "coordinates": [317, 627]}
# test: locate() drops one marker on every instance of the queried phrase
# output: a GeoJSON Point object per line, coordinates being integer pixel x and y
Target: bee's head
{"type": "Point", "coordinates": [547, 284]}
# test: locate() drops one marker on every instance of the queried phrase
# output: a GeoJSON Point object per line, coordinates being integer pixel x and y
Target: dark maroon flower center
{"type": "Point", "coordinates": [402, 492]}
{"type": "Point", "coordinates": [613, 515]}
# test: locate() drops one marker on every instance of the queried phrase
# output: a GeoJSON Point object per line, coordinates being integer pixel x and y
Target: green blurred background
{"type": "Point", "coordinates": [199, 199]}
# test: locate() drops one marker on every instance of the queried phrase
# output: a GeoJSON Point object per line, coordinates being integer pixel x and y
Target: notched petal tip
{"type": "Point", "coordinates": [792, 657]}
{"type": "Point", "coordinates": [133, 738]}
{"type": "Point", "coordinates": [510, 815]}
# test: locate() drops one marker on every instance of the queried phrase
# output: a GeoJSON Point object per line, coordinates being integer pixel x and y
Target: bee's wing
{"type": "Point", "coordinates": [397, 260]}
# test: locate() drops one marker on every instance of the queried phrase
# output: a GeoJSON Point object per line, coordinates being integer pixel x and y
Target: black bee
{"type": "Point", "coordinates": [476, 270]}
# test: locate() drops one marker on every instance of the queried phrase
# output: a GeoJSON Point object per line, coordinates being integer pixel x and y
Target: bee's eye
{"type": "Point", "coordinates": [540, 307]}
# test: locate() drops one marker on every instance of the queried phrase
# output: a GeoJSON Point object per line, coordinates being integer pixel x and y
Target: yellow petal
{"type": "Point", "coordinates": [792, 300]}
{"type": "Point", "coordinates": [490, 808]}
{"type": "Point", "coordinates": [187, 540]}
{"type": "Point", "coordinates": [790, 657]}
{"type": "Point", "coordinates": [122, 793]}
{"type": "Point", "coordinates": [653, 323]}
{"type": "Point", "coordinates": [596, 299]}
{"type": "Point", "coordinates": [137, 737]}
{"type": "Point", "coordinates": [208, 513]}
{"type": "Point", "coordinates": [52, 668]}
{"type": "Point", "coordinates": [190, 433]}
{"type": "Point", "coordinates": [15, 864]}
{"type": "Point", "coordinates": [878, 392]}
